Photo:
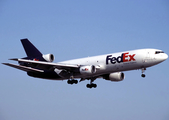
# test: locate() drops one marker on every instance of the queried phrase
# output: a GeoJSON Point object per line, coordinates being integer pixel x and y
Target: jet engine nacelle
{"type": "Point", "coordinates": [48, 57]}
{"type": "Point", "coordinates": [87, 69]}
{"type": "Point", "coordinates": [117, 76]}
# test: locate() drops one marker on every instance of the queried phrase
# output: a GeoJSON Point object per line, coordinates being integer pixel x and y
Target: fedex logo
{"type": "Point", "coordinates": [85, 69]}
{"type": "Point", "coordinates": [125, 57]}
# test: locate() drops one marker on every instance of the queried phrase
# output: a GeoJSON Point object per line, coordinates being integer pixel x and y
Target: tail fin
{"type": "Point", "coordinates": [33, 53]}
{"type": "Point", "coordinates": [30, 49]}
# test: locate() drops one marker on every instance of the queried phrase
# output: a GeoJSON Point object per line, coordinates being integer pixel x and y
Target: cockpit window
{"type": "Point", "coordinates": [157, 52]}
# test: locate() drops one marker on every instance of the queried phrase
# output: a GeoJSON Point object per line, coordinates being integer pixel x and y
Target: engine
{"type": "Point", "coordinates": [87, 69]}
{"type": "Point", "coordinates": [48, 57]}
{"type": "Point", "coordinates": [117, 76]}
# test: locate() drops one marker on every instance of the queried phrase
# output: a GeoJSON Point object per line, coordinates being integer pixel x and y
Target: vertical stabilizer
{"type": "Point", "coordinates": [30, 49]}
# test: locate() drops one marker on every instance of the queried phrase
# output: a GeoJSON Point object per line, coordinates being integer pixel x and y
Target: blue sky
{"type": "Point", "coordinates": [75, 29]}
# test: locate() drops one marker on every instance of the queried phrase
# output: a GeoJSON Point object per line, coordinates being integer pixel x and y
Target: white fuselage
{"type": "Point", "coordinates": [121, 61]}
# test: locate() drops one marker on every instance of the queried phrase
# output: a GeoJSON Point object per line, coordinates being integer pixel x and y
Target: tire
{"type": "Point", "coordinates": [143, 75]}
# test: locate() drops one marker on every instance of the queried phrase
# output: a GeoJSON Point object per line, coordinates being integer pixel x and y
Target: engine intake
{"type": "Point", "coordinates": [48, 57]}
{"type": "Point", "coordinates": [87, 69]}
{"type": "Point", "coordinates": [117, 76]}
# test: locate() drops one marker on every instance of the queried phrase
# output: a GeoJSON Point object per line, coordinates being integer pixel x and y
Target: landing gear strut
{"type": "Point", "coordinates": [91, 85]}
{"type": "Point", "coordinates": [143, 70]}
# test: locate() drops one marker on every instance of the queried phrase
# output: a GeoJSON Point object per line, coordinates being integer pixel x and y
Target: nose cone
{"type": "Point", "coordinates": [161, 57]}
{"type": "Point", "coordinates": [165, 56]}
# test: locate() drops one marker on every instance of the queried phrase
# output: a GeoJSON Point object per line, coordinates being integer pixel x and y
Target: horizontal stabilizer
{"type": "Point", "coordinates": [15, 59]}
{"type": "Point", "coordinates": [24, 68]}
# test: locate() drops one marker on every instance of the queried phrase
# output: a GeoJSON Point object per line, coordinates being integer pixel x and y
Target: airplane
{"type": "Point", "coordinates": [109, 66]}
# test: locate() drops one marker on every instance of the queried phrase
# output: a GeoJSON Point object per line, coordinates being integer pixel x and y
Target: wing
{"type": "Point", "coordinates": [47, 65]}
{"type": "Point", "coordinates": [24, 68]}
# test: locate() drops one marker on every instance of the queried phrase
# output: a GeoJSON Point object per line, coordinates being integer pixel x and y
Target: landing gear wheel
{"type": "Point", "coordinates": [143, 75]}
{"type": "Point", "coordinates": [88, 86]}
{"type": "Point", "coordinates": [91, 85]}
{"type": "Point", "coordinates": [94, 85]}
{"type": "Point", "coordinates": [72, 82]}
{"type": "Point", "coordinates": [75, 81]}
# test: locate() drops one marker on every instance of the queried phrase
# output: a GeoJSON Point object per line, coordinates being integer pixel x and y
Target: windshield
{"type": "Point", "coordinates": [157, 52]}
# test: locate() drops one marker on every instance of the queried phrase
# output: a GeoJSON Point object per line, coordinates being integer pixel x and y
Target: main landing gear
{"type": "Point", "coordinates": [143, 70]}
{"type": "Point", "coordinates": [72, 80]}
{"type": "Point", "coordinates": [91, 85]}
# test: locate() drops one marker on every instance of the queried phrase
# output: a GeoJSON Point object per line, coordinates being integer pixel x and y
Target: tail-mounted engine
{"type": "Point", "coordinates": [87, 69]}
{"type": "Point", "coordinates": [117, 76]}
{"type": "Point", "coordinates": [48, 57]}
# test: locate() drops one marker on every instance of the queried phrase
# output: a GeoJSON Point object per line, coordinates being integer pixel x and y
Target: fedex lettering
{"type": "Point", "coordinates": [125, 57]}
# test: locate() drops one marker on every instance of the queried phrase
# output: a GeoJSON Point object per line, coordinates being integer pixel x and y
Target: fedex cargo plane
{"type": "Point", "coordinates": [109, 66]}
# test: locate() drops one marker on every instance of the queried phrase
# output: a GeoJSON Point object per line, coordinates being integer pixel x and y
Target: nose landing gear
{"type": "Point", "coordinates": [143, 70]}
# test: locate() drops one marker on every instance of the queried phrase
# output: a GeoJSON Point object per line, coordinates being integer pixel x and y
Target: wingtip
{"type": "Point", "coordinates": [15, 59]}
{"type": "Point", "coordinates": [5, 64]}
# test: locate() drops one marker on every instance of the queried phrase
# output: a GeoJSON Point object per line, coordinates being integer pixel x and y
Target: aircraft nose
{"type": "Point", "coordinates": [161, 57]}
{"type": "Point", "coordinates": [165, 56]}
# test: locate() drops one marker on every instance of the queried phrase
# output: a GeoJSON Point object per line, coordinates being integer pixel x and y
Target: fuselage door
{"type": "Point", "coordinates": [149, 56]}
